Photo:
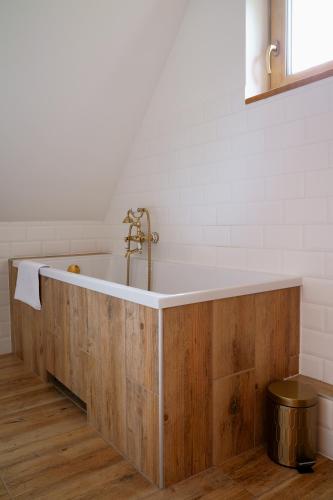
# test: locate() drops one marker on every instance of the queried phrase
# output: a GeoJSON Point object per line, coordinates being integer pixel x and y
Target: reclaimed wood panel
{"type": "Point", "coordinates": [65, 328]}
{"type": "Point", "coordinates": [293, 365]}
{"type": "Point", "coordinates": [141, 345]}
{"type": "Point", "coordinates": [292, 300]}
{"type": "Point", "coordinates": [27, 332]}
{"type": "Point", "coordinates": [187, 390]}
{"type": "Point", "coordinates": [219, 357]}
{"type": "Point", "coordinates": [15, 316]}
{"type": "Point", "coordinates": [143, 430]}
{"type": "Point", "coordinates": [106, 401]}
{"type": "Point", "coordinates": [122, 368]}
{"type": "Point", "coordinates": [277, 339]}
{"type": "Point", "coordinates": [233, 415]}
{"type": "Point", "coordinates": [105, 351]}
{"type": "Point", "coordinates": [233, 334]}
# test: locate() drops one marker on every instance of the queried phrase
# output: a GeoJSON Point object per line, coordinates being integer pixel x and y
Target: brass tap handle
{"type": "Point", "coordinates": [154, 237]}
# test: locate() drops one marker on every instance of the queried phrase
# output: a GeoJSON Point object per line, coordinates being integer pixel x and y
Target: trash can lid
{"type": "Point", "coordinates": [292, 393]}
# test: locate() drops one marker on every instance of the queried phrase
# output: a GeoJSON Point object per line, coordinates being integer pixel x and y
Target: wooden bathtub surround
{"type": "Point", "coordinates": [104, 350]}
{"type": "Point", "coordinates": [218, 358]}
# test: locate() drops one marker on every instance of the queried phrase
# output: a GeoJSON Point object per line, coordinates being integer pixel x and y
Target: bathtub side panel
{"type": "Point", "coordinates": [27, 330]}
{"type": "Point", "coordinates": [122, 366]}
{"type": "Point", "coordinates": [187, 391]}
{"type": "Point", "coordinates": [105, 350]}
{"type": "Point", "coordinates": [219, 357]}
{"type": "Point", "coordinates": [65, 333]}
{"type": "Point", "coordinates": [106, 394]}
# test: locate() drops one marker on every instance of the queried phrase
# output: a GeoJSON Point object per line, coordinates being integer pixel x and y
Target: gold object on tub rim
{"type": "Point", "coordinates": [74, 268]}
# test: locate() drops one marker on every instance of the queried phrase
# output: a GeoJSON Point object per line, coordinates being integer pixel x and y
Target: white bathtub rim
{"type": "Point", "coordinates": [162, 300]}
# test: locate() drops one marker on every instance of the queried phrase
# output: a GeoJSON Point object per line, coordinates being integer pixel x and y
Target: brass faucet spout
{"type": "Point", "coordinates": [134, 219]}
{"type": "Point", "coordinates": [132, 251]}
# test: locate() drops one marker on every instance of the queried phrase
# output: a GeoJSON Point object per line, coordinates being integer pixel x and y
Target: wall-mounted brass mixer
{"type": "Point", "coordinates": [136, 234]}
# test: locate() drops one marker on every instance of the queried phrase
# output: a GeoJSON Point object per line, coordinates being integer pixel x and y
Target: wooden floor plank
{"type": "Point", "coordinates": [39, 396]}
{"type": "Point", "coordinates": [49, 452]}
{"type": "Point", "coordinates": [56, 458]}
{"type": "Point", "coordinates": [316, 486]}
{"type": "Point", "coordinates": [7, 373]}
{"type": "Point", "coordinates": [19, 385]}
{"type": "Point", "coordinates": [3, 492]}
{"type": "Point", "coordinates": [32, 479]}
{"type": "Point", "coordinates": [41, 422]}
{"type": "Point", "coordinates": [256, 472]}
{"type": "Point", "coordinates": [116, 480]}
{"type": "Point", "coordinates": [39, 447]}
{"type": "Point", "coordinates": [208, 485]}
{"type": "Point", "coordinates": [9, 360]}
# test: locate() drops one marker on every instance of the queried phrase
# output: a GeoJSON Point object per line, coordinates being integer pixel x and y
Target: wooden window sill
{"type": "Point", "coordinates": [289, 86]}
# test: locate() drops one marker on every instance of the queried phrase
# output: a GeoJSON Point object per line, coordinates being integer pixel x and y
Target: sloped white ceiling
{"type": "Point", "coordinates": [76, 77]}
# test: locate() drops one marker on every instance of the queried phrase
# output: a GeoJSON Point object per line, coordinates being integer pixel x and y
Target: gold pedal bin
{"type": "Point", "coordinates": [292, 423]}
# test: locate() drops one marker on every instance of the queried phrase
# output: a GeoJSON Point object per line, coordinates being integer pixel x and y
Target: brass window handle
{"type": "Point", "coordinates": [272, 48]}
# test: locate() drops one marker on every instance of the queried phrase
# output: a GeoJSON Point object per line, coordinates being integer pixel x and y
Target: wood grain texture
{"type": "Point", "coordinates": [122, 363]}
{"type": "Point", "coordinates": [47, 450]}
{"type": "Point", "coordinates": [65, 327]}
{"type": "Point", "coordinates": [141, 345]}
{"type": "Point", "coordinates": [187, 390]}
{"type": "Point", "coordinates": [67, 459]}
{"type": "Point", "coordinates": [219, 357]}
{"type": "Point", "coordinates": [27, 332]}
{"type": "Point", "coordinates": [211, 484]}
{"type": "Point", "coordinates": [142, 430]}
{"type": "Point", "coordinates": [233, 415]}
{"type": "Point", "coordinates": [15, 317]}
{"type": "Point", "coordinates": [106, 401]}
{"type": "Point", "coordinates": [293, 365]}
{"type": "Point", "coordinates": [292, 300]}
{"type": "Point", "coordinates": [3, 491]}
{"type": "Point", "coordinates": [105, 351]}
{"type": "Point", "coordinates": [277, 339]}
{"type": "Point", "coordinates": [305, 80]}
{"type": "Point", "coordinates": [233, 334]}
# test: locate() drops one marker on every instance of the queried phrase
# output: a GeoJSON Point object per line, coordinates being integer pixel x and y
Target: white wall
{"type": "Point", "coordinates": [233, 185]}
{"type": "Point", "coordinates": [23, 239]}
{"type": "Point", "coordinates": [76, 77]}
{"type": "Point", "coordinates": [257, 40]}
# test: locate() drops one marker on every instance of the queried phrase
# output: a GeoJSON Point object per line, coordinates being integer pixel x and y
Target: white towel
{"type": "Point", "coordinates": [27, 284]}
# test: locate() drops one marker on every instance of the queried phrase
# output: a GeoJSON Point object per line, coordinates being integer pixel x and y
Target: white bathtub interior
{"type": "Point", "coordinates": [174, 283]}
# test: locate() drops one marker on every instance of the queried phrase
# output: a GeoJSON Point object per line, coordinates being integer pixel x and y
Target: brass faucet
{"type": "Point", "coordinates": [134, 219]}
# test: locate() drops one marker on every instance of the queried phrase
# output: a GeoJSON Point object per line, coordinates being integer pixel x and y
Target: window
{"type": "Point", "coordinates": [299, 46]}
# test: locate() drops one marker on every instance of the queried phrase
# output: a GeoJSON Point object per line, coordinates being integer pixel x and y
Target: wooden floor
{"type": "Point", "coordinates": [47, 451]}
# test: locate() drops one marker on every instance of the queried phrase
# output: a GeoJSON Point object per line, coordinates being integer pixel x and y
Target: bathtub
{"type": "Point", "coordinates": [173, 284]}
{"type": "Point", "coordinates": [173, 378]}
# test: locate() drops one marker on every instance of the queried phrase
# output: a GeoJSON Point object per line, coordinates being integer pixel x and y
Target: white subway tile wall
{"type": "Point", "coordinates": [250, 189]}
{"type": "Point", "coordinates": [325, 427]}
{"type": "Point", "coordinates": [255, 193]}
{"type": "Point", "coordinates": [40, 239]}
